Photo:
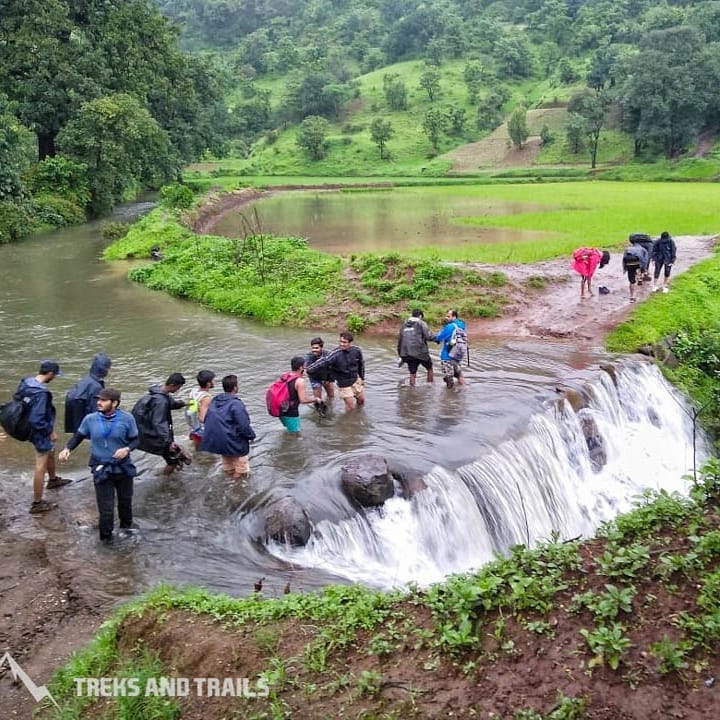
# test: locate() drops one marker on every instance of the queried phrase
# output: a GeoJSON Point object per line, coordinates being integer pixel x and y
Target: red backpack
{"type": "Point", "coordinates": [277, 396]}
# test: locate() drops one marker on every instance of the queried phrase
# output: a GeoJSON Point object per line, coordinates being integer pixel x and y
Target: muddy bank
{"type": "Point", "coordinates": [44, 615]}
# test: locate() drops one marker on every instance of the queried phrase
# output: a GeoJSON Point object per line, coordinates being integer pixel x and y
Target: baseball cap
{"type": "Point", "coordinates": [50, 366]}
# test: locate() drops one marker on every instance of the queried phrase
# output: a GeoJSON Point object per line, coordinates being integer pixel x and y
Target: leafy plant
{"type": "Point", "coordinates": [608, 643]}
{"type": "Point", "coordinates": [672, 656]}
{"type": "Point", "coordinates": [369, 682]}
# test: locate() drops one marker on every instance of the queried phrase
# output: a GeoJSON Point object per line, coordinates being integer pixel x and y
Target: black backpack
{"type": "Point", "coordinates": [15, 417]}
{"type": "Point", "coordinates": [75, 409]}
{"type": "Point", "coordinates": [143, 410]}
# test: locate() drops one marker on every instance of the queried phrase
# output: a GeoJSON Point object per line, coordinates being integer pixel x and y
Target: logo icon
{"type": "Point", "coordinates": [38, 693]}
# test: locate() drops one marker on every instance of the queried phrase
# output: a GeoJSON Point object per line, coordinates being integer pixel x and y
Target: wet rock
{"type": "Point", "coordinates": [671, 360]}
{"type": "Point", "coordinates": [411, 482]}
{"type": "Point", "coordinates": [611, 370]}
{"type": "Point", "coordinates": [367, 480]}
{"type": "Point", "coordinates": [575, 398]}
{"type": "Point", "coordinates": [647, 350]}
{"type": "Point", "coordinates": [287, 522]}
{"type": "Point", "coordinates": [594, 440]}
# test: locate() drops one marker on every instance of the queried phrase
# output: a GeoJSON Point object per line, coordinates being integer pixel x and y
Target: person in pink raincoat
{"type": "Point", "coordinates": [585, 262]}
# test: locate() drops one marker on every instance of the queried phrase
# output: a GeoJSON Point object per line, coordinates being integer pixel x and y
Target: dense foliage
{"type": "Point", "coordinates": [103, 84]}
{"type": "Point", "coordinates": [656, 64]}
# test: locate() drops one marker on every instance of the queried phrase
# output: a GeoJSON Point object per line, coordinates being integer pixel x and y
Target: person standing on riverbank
{"type": "Point", "coordinates": [412, 346]}
{"type": "Point", "coordinates": [448, 336]}
{"type": "Point", "coordinates": [323, 378]}
{"type": "Point", "coordinates": [41, 419]}
{"type": "Point", "coordinates": [348, 365]}
{"type": "Point", "coordinates": [113, 434]}
{"type": "Point", "coordinates": [228, 432]}
{"type": "Point", "coordinates": [664, 253]}
{"type": "Point", "coordinates": [585, 262]}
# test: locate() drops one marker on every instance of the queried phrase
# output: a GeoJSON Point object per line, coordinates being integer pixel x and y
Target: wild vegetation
{"type": "Point", "coordinates": [568, 630]}
{"type": "Point", "coordinates": [338, 88]}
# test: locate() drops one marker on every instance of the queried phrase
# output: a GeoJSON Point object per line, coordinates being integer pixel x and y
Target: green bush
{"type": "Point", "coordinates": [177, 196]}
{"type": "Point", "coordinates": [59, 176]}
{"type": "Point", "coordinates": [15, 222]}
{"type": "Point", "coordinates": [58, 211]}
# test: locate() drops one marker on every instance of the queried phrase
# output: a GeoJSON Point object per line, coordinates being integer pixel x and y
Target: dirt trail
{"type": "Point", "coordinates": [557, 310]}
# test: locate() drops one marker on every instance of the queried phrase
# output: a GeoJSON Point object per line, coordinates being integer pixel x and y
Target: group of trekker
{"type": "Point", "coordinates": [636, 259]}
{"type": "Point", "coordinates": [218, 424]}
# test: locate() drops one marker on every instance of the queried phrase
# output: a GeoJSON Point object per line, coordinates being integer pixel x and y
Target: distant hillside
{"type": "Point", "coordinates": [441, 77]}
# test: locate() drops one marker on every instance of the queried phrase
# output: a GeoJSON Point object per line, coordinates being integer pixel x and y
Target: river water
{"type": "Point", "coordinates": [501, 462]}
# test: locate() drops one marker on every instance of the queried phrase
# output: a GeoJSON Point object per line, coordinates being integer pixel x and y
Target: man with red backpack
{"type": "Point", "coordinates": [285, 395]}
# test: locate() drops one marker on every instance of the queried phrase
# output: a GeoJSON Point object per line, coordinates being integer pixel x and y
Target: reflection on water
{"type": "Point", "coordinates": [402, 219]}
{"type": "Point", "coordinates": [59, 299]}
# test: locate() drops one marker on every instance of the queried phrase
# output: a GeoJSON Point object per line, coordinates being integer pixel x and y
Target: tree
{"type": "Point", "coordinates": [58, 54]}
{"type": "Point", "coordinates": [456, 118]}
{"type": "Point", "coordinates": [474, 75]}
{"type": "Point", "coordinates": [10, 154]}
{"type": "Point", "coordinates": [513, 57]}
{"type": "Point", "coordinates": [575, 132]}
{"type": "Point", "coordinates": [433, 125]}
{"type": "Point", "coordinates": [395, 91]}
{"type": "Point", "coordinates": [592, 107]}
{"type": "Point", "coordinates": [662, 94]}
{"type": "Point", "coordinates": [490, 109]}
{"type": "Point", "coordinates": [517, 127]}
{"type": "Point", "coordinates": [380, 132]}
{"type": "Point", "coordinates": [122, 146]}
{"type": "Point", "coordinates": [430, 82]}
{"type": "Point", "coordinates": [312, 136]}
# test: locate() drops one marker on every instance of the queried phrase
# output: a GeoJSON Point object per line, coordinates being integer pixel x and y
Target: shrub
{"type": "Point", "coordinates": [15, 222]}
{"type": "Point", "coordinates": [114, 230]}
{"type": "Point", "coordinates": [58, 211]}
{"type": "Point", "coordinates": [59, 176]}
{"type": "Point", "coordinates": [177, 196]}
{"type": "Point", "coordinates": [355, 323]}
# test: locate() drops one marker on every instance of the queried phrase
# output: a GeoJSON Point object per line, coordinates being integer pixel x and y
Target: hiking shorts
{"type": "Point", "coordinates": [292, 424]}
{"type": "Point", "coordinates": [42, 444]}
{"type": "Point", "coordinates": [451, 368]}
{"type": "Point", "coordinates": [354, 390]}
{"type": "Point", "coordinates": [413, 364]}
{"type": "Point", "coordinates": [667, 267]}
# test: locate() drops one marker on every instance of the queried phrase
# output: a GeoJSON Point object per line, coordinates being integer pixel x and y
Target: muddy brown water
{"type": "Point", "coordinates": [59, 299]}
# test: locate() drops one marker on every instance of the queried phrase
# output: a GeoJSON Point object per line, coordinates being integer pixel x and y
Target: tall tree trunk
{"type": "Point", "coordinates": [46, 145]}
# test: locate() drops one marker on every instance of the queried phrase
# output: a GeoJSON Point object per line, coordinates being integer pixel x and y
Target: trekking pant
{"type": "Point", "coordinates": [105, 491]}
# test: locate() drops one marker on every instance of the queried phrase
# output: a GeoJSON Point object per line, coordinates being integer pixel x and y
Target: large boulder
{"type": "Point", "coordinates": [287, 522]}
{"type": "Point", "coordinates": [366, 479]}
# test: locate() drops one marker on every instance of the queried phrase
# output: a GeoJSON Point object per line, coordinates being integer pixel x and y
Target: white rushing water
{"type": "Point", "coordinates": [522, 491]}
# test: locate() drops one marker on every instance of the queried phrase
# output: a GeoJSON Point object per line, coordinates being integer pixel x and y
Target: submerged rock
{"type": "Point", "coordinates": [594, 440]}
{"type": "Point", "coordinates": [287, 522]}
{"type": "Point", "coordinates": [366, 479]}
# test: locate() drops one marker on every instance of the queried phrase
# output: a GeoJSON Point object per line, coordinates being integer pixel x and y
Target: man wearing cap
{"type": "Point", "coordinates": [113, 433]}
{"type": "Point", "coordinates": [42, 431]}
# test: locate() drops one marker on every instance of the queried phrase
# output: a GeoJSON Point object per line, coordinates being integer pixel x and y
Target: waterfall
{"type": "Point", "coordinates": [526, 489]}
